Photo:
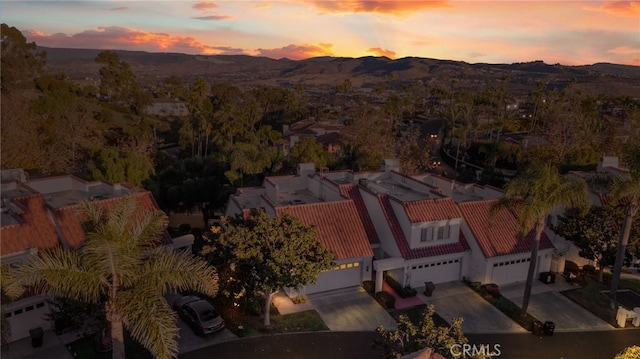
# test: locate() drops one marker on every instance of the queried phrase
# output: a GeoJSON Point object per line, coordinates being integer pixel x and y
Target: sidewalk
{"type": "Point", "coordinates": [52, 348]}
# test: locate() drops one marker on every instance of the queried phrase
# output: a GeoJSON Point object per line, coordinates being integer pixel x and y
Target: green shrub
{"type": "Point", "coordinates": [491, 289]}
{"type": "Point", "coordinates": [369, 286]}
{"type": "Point", "coordinates": [476, 286]}
{"type": "Point", "coordinates": [403, 292]}
{"type": "Point", "coordinates": [386, 300]}
{"type": "Point", "coordinates": [571, 267]}
{"type": "Point", "coordinates": [299, 299]}
{"type": "Point", "coordinates": [589, 269]}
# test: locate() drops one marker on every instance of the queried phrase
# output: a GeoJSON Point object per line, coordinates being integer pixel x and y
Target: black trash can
{"type": "Point", "coordinates": [536, 328]}
{"type": "Point", "coordinates": [547, 277]}
{"type": "Point", "coordinates": [36, 335]}
{"type": "Point", "coordinates": [429, 287]}
{"type": "Point", "coordinates": [549, 327]}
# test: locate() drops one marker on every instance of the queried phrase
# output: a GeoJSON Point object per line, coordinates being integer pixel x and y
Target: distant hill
{"type": "Point", "coordinates": [248, 71]}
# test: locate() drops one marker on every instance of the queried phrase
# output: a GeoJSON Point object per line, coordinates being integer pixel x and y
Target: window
{"type": "Point", "coordinates": [443, 232]}
{"type": "Point", "coordinates": [424, 234]}
{"type": "Point", "coordinates": [40, 305]}
{"type": "Point", "coordinates": [356, 264]}
{"type": "Point", "coordinates": [343, 266]}
{"type": "Point", "coordinates": [349, 265]}
{"type": "Point", "coordinates": [17, 312]}
{"type": "Point", "coordinates": [29, 308]}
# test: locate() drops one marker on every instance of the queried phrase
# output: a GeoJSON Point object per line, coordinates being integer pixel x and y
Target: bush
{"type": "Point", "coordinates": [571, 267]}
{"type": "Point", "coordinates": [369, 286]}
{"type": "Point", "coordinates": [386, 300]}
{"type": "Point", "coordinates": [403, 292]}
{"type": "Point", "coordinates": [476, 286]}
{"type": "Point", "coordinates": [299, 299]}
{"type": "Point", "coordinates": [589, 269]}
{"type": "Point", "coordinates": [491, 289]}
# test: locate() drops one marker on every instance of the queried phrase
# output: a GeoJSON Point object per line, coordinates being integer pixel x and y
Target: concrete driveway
{"type": "Point", "coordinates": [547, 304]}
{"type": "Point", "coordinates": [350, 309]}
{"type": "Point", "coordinates": [455, 299]}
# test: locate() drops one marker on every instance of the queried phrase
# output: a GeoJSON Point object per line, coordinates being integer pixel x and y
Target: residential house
{"type": "Point", "coordinates": [40, 214]}
{"type": "Point", "coordinates": [313, 128]}
{"type": "Point", "coordinates": [418, 228]}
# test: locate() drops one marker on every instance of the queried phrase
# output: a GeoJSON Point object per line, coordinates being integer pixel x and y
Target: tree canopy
{"type": "Point", "coordinates": [268, 253]}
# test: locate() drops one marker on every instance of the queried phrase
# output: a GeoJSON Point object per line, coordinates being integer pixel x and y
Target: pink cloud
{"type": "Point", "coordinates": [391, 7]}
{"type": "Point", "coordinates": [298, 52]}
{"type": "Point", "coordinates": [114, 37]}
{"type": "Point", "coordinates": [205, 5]}
{"type": "Point", "coordinates": [377, 51]}
{"type": "Point", "coordinates": [618, 8]}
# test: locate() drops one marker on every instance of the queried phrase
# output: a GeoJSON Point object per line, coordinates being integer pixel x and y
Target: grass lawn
{"type": "Point", "coordinates": [591, 297]}
{"type": "Point", "coordinates": [249, 325]}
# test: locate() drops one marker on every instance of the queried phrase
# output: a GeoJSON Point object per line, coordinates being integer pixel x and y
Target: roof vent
{"type": "Point", "coordinates": [363, 182]}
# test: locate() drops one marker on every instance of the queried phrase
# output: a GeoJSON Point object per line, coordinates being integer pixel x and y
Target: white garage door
{"type": "Point", "coordinates": [436, 272]}
{"type": "Point", "coordinates": [26, 315]}
{"type": "Point", "coordinates": [510, 271]}
{"type": "Point", "coordinates": [343, 276]}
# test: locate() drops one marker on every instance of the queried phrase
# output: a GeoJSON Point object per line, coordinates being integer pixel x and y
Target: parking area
{"type": "Point", "coordinates": [456, 300]}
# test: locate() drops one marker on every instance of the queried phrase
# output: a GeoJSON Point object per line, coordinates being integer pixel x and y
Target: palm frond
{"type": "Point", "coordinates": [173, 271]}
{"type": "Point", "coordinates": [150, 320]}
{"type": "Point", "coordinates": [58, 272]}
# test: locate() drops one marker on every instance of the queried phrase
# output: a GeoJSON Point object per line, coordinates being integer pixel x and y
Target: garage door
{"type": "Point", "coordinates": [22, 318]}
{"type": "Point", "coordinates": [343, 276]}
{"type": "Point", "coordinates": [510, 271]}
{"type": "Point", "coordinates": [436, 272]}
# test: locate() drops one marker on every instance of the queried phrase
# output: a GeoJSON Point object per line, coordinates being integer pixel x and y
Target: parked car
{"type": "Point", "coordinates": [199, 314]}
{"type": "Point", "coordinates": [434, 162]}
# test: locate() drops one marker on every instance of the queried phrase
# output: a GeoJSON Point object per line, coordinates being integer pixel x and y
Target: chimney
{"type": "Point", "coordinates": [391, 164]}
{"type": "Point", "coordinates": [306, 169]}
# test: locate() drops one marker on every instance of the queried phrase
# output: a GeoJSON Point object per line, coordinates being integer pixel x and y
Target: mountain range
{"type": "Point", "coordinates": [327, 72]}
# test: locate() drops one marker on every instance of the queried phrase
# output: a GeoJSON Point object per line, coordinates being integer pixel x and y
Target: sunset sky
{"type": "Point", "coordinates": [566, 32]}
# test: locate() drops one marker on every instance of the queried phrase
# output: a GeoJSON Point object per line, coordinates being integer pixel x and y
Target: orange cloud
{"type": "Point", "coordinates": [214, 17]}
{"type": "Point", "coordinates": [377, 51]}
{"type": "Point", "coordinates": [205, 5]}
{"type": "Point", "coordinates": [618, 8]}
{"type": "Point", "coordinates": [115, 37]}
{"type": "Point", "coordinates": [390, 7]}
{"type": "Point", "coordinates": [298, 52]}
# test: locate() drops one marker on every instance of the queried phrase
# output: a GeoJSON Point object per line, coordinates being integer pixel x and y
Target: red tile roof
{"type": "Point", "coordinates": [70, 221]}
{"type": "Point", "coordinates": [403, 244]}
{"type": "Point", "coordinates": [35, 229]}
{"type": "Point", "coordinates": [499, 236]}
{"type": "Point", "coordinates": [428, 210]}
{"type": "Point", "coordinates": [338, 226]}
{"type": "Point", "coordinates": [352, 192]}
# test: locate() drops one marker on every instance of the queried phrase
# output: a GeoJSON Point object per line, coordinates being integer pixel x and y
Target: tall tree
{"type": "Point", "coordinates": [119, 84]}
{"type": "Point", "coordinates": [308, 150]}
{"type": "Point", "coordinates": [21, 63]}
{"type": "Point", "coordinates": [625, 189]}
{"type": "Point", "coordinates": [533, 195]}
{"type": "Point", "coordinates": [122, 262]}
{"type": "Point", "coordinates": [595, 234]}
{"type": "Point", "coordinates": [273, 253]}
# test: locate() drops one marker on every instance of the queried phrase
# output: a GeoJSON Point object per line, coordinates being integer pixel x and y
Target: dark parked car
{"type": "Point", "coordinates": [199, 314]}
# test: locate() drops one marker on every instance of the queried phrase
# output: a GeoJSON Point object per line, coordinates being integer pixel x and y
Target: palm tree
{"type": "Point", "coordinates": [121, 261]}
{"type": "Point", "coordinates": [626, 189]}
{"type": "Point", "coordinates": [533, 196]}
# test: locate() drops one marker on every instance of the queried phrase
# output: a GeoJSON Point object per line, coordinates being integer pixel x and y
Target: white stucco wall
{"type": "Point", "coordinates": [387, 241]}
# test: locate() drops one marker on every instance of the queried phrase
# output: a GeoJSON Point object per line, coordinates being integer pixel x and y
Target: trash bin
{"type": "Point", "coordinates": [549, 327]}
{"type": "Point", "coordinates": [547, 277]}
{"type": "Point", "coordinates": [36, 335]}
{"type": "Point", "coordinates": [429, 287]}
{"type": "Point", "coordinates": [537, 328]}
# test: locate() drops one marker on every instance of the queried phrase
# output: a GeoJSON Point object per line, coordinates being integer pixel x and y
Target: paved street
{"type": "Point", "coordinates": [349, 345]}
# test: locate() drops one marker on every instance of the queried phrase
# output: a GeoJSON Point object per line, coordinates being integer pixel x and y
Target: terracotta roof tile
{"type": "Point", "coordinates": [352, 192]}
{"type": "Point", "coordinates": [428, 210]}
{"type": "Point", "coordinates": [500, 236]}
{"type": "Point", "coordinates": [35, 229]}
{"type": "Point", "coordinates": [338, 226]}
{"type": "Point", "coordinates": [70, 222]}
{"type": "Point", "coordinates": [407, 253]}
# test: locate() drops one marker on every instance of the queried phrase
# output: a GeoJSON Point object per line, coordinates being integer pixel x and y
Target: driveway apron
{"type": "Point", "coordinates": [350, 309]}
{"type": "Point", "coordinates": [456, 300]}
